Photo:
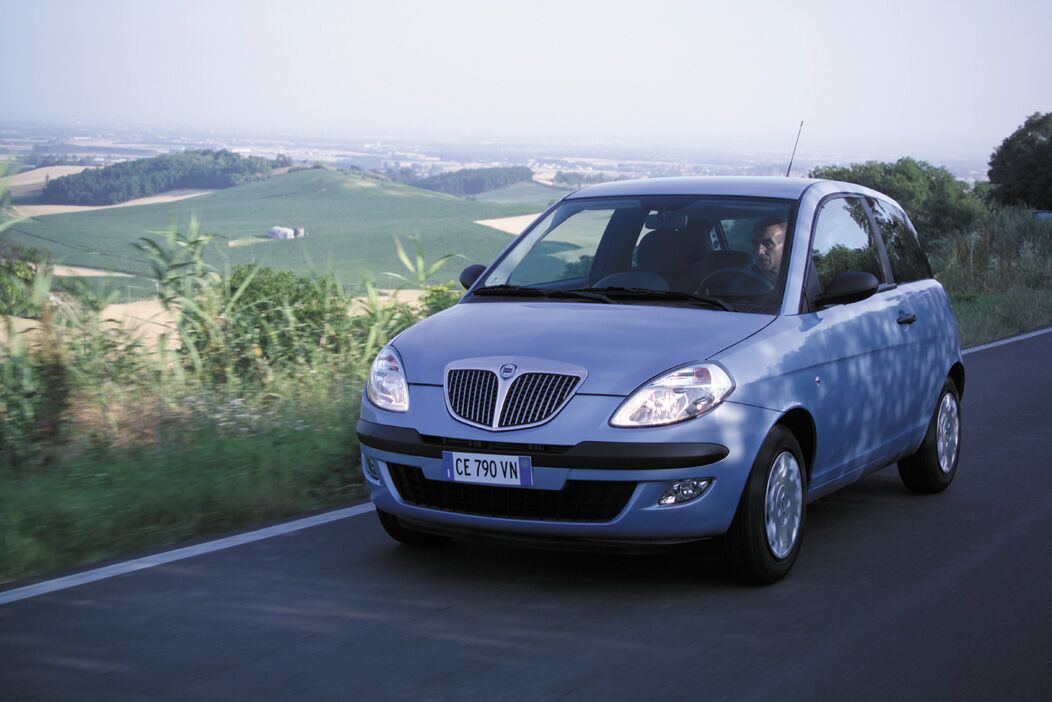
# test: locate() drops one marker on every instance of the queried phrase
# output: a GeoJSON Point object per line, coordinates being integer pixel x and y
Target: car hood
{"type": "Point", "coordinates": [620, 346]}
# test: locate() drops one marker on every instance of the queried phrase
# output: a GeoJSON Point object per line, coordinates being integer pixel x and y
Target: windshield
{"type": "Point", "coordinates": [730, 252]}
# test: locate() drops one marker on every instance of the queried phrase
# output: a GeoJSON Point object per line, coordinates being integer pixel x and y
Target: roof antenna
{"type": "Point", "coordinates": [794, 148]}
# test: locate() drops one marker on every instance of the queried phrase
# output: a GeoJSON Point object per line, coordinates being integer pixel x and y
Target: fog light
{"type": "Point", "coordinates": [370, 467]}
{"type": "Point", "coordinates": [683, 491]}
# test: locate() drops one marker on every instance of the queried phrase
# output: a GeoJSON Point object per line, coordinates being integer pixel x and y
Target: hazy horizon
{"type": "Point", "coordinates": [899, 79]}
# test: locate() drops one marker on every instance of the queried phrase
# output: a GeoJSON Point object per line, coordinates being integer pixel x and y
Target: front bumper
{"type": "Point", "coordinates": [720, 446]}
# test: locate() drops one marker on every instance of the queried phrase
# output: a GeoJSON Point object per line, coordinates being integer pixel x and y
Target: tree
{"type": "Point", "coordinates": [1021, 167]}
{"type": "Point", "coordinates": [938, 203]}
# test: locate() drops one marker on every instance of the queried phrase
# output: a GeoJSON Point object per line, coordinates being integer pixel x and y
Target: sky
{"type": "Point", "coordinates": [885, 78]}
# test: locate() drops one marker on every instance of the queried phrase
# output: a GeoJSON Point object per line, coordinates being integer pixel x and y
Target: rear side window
{"type": "Point", "coordinates": [842, 241]}
{"type": "Point", "coordinates": [908, 262]}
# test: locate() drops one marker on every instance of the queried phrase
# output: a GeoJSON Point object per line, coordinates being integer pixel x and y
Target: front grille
{"type": "Point", "coordinates": [578, 501]}
{"type": "Point", "coordinates": [473, 395]}
{"type": "Point", "coordinates": [534, 397]}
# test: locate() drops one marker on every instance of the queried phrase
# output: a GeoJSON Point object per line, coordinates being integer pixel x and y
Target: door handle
{"type": "Point", "coordinates": [907, 318]}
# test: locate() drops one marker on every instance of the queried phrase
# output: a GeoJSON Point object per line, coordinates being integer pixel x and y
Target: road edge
{"type": "Point", "coordinates": [178, 554]}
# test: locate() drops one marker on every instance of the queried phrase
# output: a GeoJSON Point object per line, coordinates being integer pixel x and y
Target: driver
{"type": "Point", "coordinates": [768, 243]}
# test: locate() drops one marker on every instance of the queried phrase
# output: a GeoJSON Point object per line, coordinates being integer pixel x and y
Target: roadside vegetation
{"type": "Point", "coordinates": [108, 446]}
{"type": "Point", "coordinates": [245, 411]}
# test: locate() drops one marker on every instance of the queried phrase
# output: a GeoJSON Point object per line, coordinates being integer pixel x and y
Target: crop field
{"type": "Point", "coordinates": [31, 183]}
{"type": "Point", "coordinates": [351, 223]}
{"type": "Point", "coordinates": [35, 210]}
{"type": "Point", "coordinates": [527, 193]}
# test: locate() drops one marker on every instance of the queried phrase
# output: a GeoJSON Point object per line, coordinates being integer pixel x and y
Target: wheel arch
{"type": "Point", "coordinates": [956, 374]}
{"type": "Point", "coordinates": [799, 421]}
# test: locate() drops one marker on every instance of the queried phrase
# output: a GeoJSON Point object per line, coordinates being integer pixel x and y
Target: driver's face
{"type": "Point", "coordinates": [768, 248]}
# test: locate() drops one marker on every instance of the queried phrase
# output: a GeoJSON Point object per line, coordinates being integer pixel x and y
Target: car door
{"type": "Point", "coordinates": [927, 331]}
{"type": "Point", "coordinates": [863, 406]}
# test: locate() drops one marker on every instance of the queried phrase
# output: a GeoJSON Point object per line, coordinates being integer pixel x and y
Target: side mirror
{"type": "Point", "coordinates": [849, 286]}
{"type": "Point", "coordinates": [469, 275]}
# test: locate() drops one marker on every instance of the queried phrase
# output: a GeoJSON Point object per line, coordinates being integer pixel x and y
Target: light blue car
{"type": "Point", "coordinates": [656, 362]}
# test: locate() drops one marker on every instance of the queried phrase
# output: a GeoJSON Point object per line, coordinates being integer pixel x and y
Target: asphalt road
{"type": "Point", "coordinates": [895, 596]}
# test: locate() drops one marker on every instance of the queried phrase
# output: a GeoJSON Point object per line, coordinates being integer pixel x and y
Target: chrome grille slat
{"type": "Point", "coordinates": [473, 406]}
{"type": "Point", "coordinates": [555, 396]}
{"type": "Point", "coordinates": [526, 389]}
{"type": "Point", "coordinates": [512, 403]}
{"type": "Point", "coordinates": [491, 407]}
{"type": "Point", "coordinates": [543, 394]}
{"type": "Point", "coordinates": [525, 393]}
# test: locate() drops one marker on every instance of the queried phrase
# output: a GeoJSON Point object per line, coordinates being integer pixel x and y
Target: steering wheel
{"type": "Point", "coordinates": [756, 283]}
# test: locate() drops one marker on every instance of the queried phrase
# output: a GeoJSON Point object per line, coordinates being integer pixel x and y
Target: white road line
{"type": "Point", "coordinates": [1009, 340]}
{"type": "Point", "coordinates": [110, 571]}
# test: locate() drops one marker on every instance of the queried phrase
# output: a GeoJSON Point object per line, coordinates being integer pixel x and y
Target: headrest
{"type": "Point", "coordinates": [662, 251]}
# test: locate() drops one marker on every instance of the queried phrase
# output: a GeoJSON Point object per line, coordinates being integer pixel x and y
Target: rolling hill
{"type": "Point", "coordinates": [351, 221]}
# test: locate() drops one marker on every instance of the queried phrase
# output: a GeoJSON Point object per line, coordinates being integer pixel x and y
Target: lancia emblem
{"type": "Point", "coordinates": [507, 370]}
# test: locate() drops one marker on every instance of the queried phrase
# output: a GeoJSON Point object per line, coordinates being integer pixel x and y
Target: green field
{"type": "Point", "coordinates": [351, 221]}
{"type": "Point", "coordinates": [529, 193]}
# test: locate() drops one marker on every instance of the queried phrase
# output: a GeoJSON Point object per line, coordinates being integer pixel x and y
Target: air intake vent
{"type": "Point", "coordinates": [578, 501]}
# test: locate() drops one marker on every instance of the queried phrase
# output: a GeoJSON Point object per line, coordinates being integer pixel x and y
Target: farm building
{"type": "Point", "coordinates": [285, 233]}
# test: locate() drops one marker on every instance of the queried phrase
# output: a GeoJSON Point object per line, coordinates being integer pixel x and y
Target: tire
{"type": "Point", "coordinates": [753, 555]}
{"type": "Point", "coordinates": [410, 537]}
{"type": "Point", "coordinates": [929, 470]}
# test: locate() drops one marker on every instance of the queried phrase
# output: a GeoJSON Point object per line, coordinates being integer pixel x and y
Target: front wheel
{"type": "Point", "coordinates": [932, 467]}
{"type": "Point", "coordinates": [764, 538]}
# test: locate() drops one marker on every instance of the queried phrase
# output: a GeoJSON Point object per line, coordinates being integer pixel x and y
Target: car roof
{"type": "Point", "coordinates": [755, 186]}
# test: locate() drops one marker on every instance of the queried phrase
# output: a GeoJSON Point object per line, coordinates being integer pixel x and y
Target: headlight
{"type": "Point", "coordinates": [387, 387]}
{"type": "Point", "coordinates": [677, 396]}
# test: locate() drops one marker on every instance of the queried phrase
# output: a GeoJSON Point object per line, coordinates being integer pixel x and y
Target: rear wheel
{"type": "Point", "coordinates": [411, 537]}
{"type": "Point", "coordinates": [764, 538]}
{"type": "Point", "coordinates": [932, 468]}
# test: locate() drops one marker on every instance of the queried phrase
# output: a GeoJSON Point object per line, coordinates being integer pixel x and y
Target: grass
{"type": "Point", "coordinates": [208, 480]}
{"type": "Point", "coordinates": [351, 221]}
{"type": "Point", "coordinates": [108, 447]}
{"type": "Point", "coordinates": [983, 317]}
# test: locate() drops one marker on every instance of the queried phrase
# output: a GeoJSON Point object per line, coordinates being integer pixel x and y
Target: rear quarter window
{"type": "Point", "coordinates": [908, 262]}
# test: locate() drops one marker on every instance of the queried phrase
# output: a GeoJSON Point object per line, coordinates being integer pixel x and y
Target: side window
{"type": "Point", "coordinates": [842, 241]}
{"type": "Point", "coordinates": [908, 262]}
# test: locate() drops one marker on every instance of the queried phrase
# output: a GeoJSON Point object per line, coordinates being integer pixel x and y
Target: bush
{"type": "Point", "coordinates": [1011, 248]}
{"type": "Point", "coordinates": [16, 278]}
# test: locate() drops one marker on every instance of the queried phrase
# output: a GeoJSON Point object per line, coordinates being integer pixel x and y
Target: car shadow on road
{"type": "Point", "coordinates": [831, 524]}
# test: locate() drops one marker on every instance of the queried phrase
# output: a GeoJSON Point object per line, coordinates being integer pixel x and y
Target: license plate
{"type": "Point", "coordinates": [487, 469]}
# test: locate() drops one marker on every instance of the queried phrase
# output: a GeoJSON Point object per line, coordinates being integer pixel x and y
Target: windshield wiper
{"type": "Point", "coordinates": [581, 295]}
{"type": "Point", "coordinates": [510, 291]}
{"type": "Point", "coordinates": [526, 291]}
{"type": "Point", "coordinates": [672, 295]}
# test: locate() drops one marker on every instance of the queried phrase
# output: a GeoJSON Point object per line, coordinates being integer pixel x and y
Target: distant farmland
{"type": "Point", "coordinates": [351, 221]}
{"type": "Point", "coordinates": [528, 193]}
